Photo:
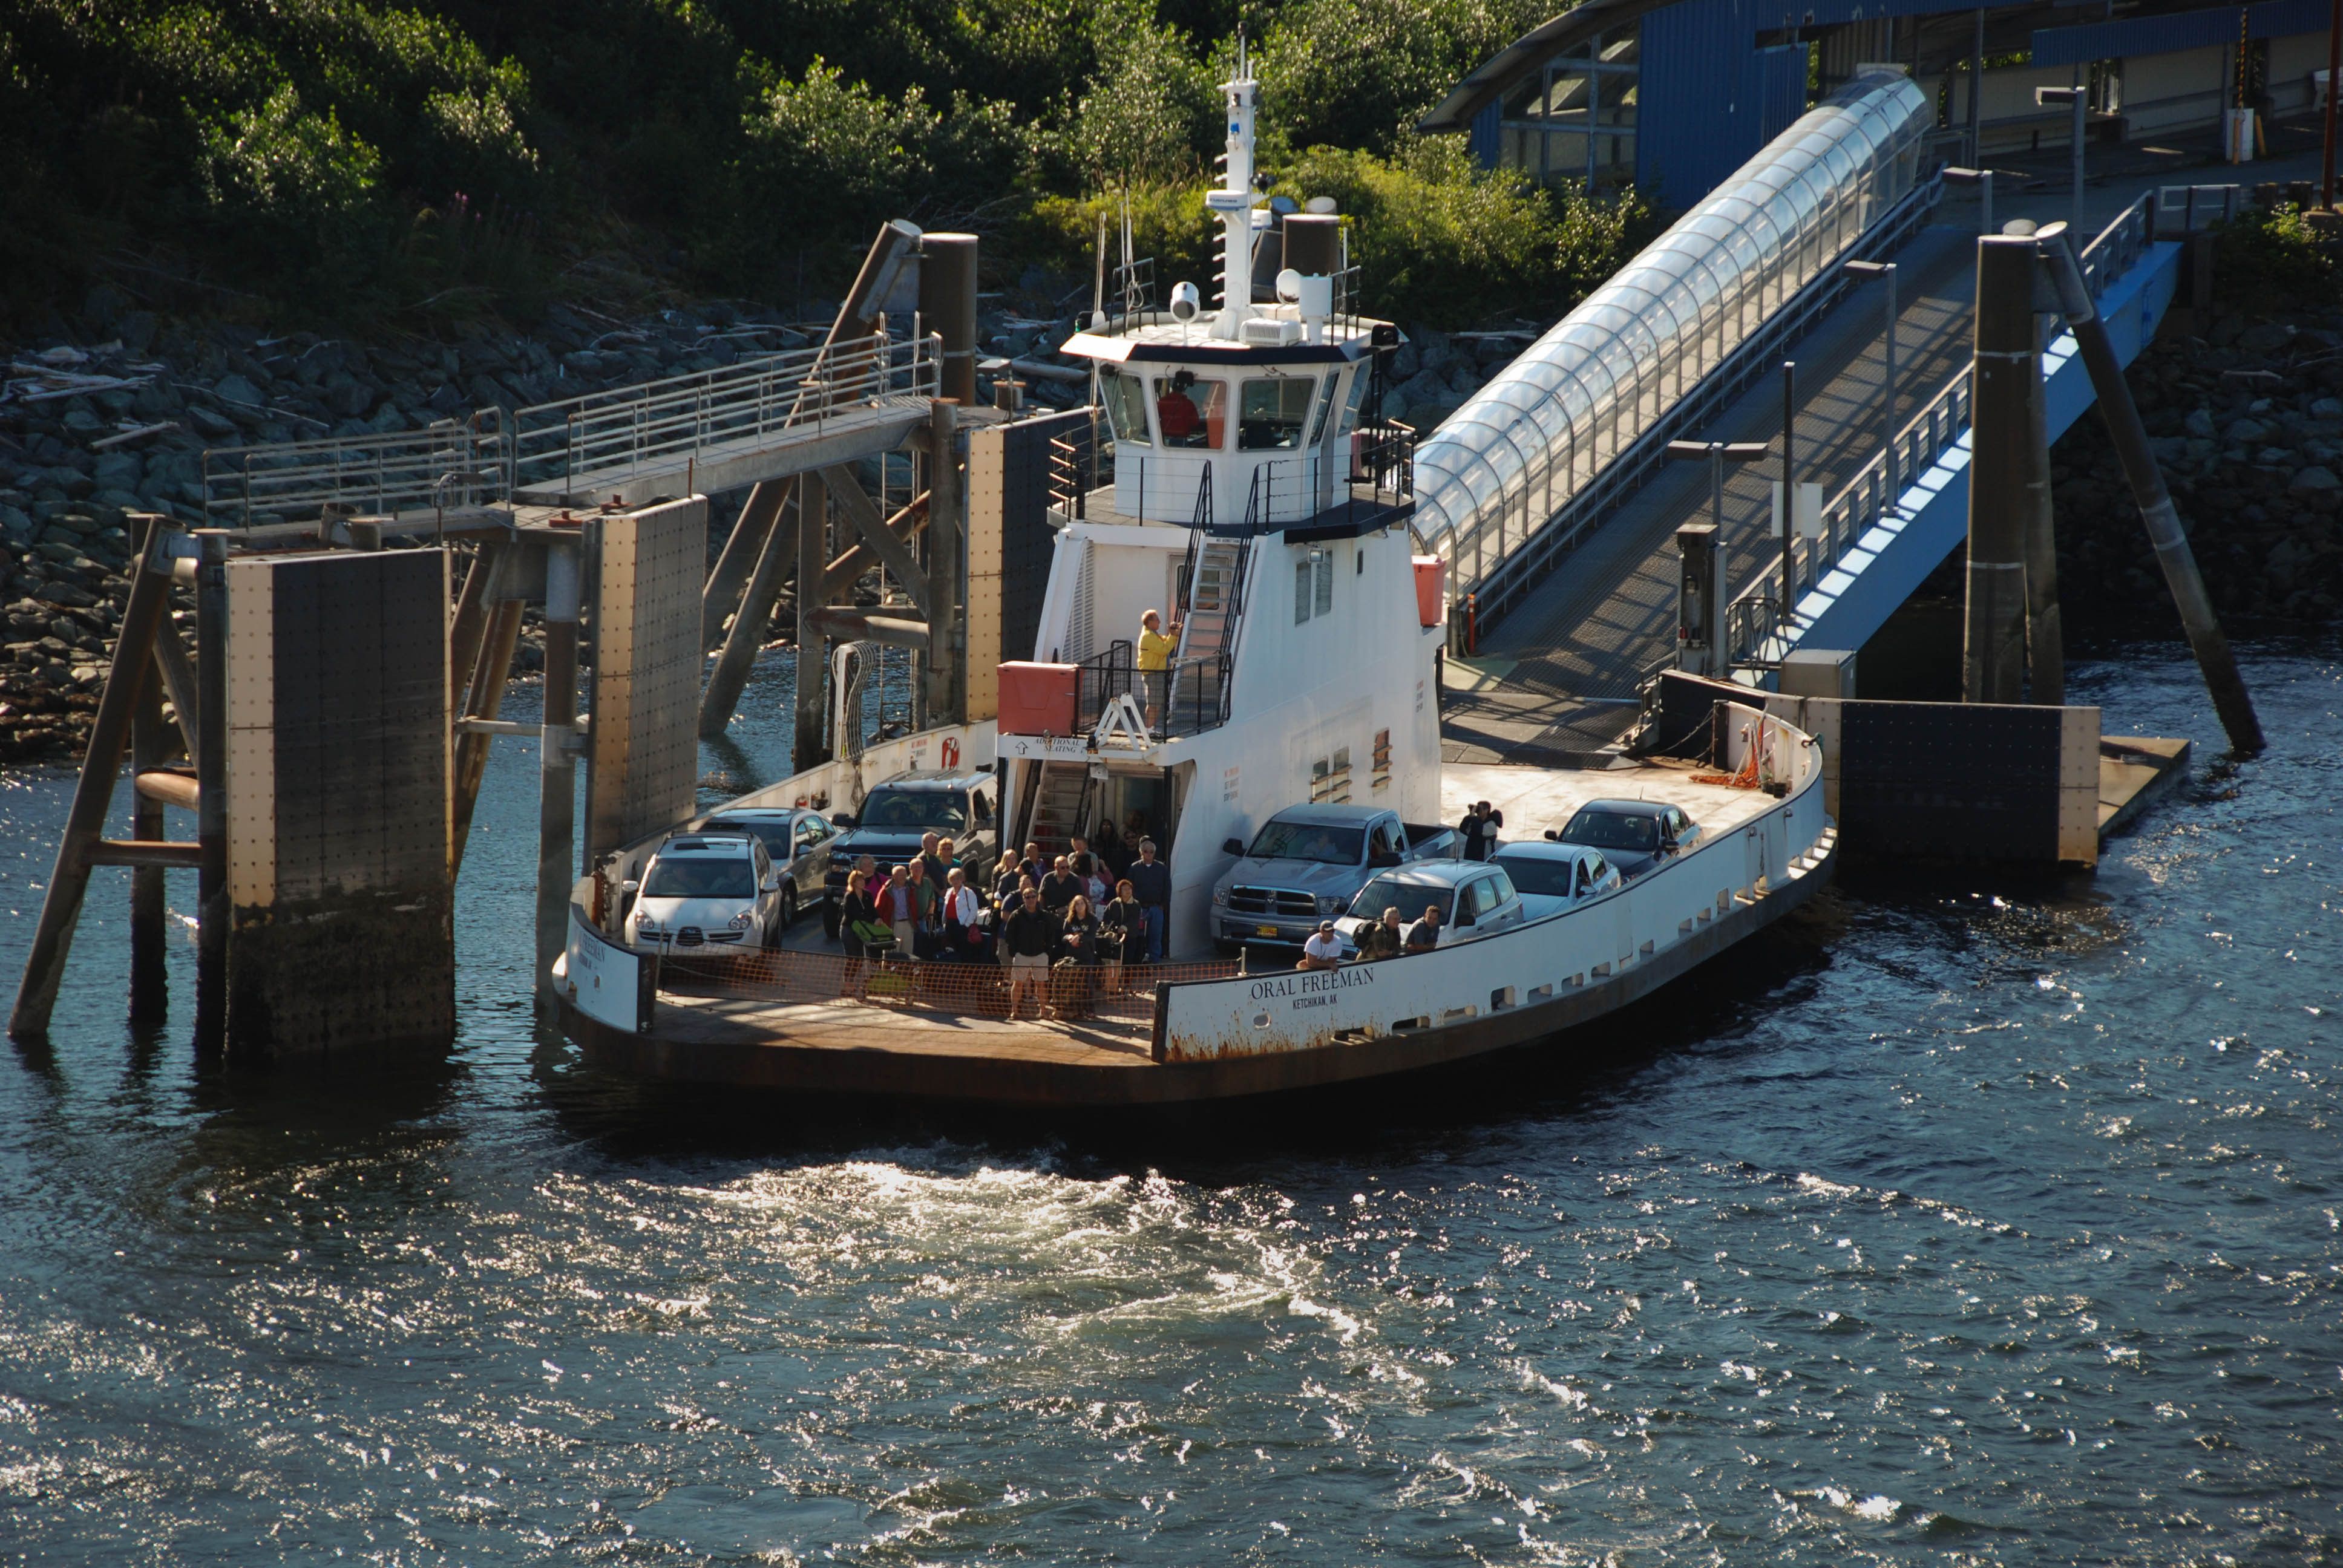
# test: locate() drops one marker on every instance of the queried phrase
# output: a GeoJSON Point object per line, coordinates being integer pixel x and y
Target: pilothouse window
{"type": "Point", "coordinates": [1189, 412]}
{"type": "Point", "coordinates": [1325, 406]}
{"type": "Point", "coordinates": [1126, 407]}
{"type": "Point", "coordinates": [1272, 415]}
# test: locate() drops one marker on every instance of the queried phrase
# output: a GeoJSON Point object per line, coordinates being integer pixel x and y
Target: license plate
{"type": "Point", "coordinates": [1264, 931]}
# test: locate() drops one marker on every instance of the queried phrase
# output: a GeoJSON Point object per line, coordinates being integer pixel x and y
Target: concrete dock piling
{"type": "Point", "coordinates": [2006, 424]}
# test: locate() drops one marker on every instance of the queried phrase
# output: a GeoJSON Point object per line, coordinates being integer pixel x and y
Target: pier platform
{"type": "Point", "coordinates": [2134, 770]}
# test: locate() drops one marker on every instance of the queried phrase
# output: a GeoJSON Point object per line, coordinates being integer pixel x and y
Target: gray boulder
{"type": "Point", "coordinates": [2244, 432]}
{"type": "Point", "coordinates": [348, 398]}
{"type": "Point", "coordinates": [2313, 478]}
{"type": "Point", "coordinates": [237, 389]}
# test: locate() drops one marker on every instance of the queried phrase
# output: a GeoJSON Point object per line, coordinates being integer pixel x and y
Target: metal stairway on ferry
{"type": "Point", "coordinates": [1213, 600]}
{"type": "Point", "coordinates": [1058, 808]}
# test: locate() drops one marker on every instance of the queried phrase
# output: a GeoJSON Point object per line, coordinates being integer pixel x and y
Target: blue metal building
{"type": "Point", "coordinates": [1674, 95]}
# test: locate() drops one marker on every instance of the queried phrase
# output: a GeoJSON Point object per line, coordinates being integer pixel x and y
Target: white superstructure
{"type": "Point", "coordinates": [1250, 505]}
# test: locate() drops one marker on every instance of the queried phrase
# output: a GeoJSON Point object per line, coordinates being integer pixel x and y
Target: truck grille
{"type": "Point", "coordinates": [1271, 902]}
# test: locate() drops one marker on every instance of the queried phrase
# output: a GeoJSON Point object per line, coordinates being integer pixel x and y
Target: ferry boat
{"type": "Point", "coordinates": [1259, 503]}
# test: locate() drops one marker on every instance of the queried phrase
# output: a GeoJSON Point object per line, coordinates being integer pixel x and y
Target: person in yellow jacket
{"type": "Point", "coordinates": [1156, 647]}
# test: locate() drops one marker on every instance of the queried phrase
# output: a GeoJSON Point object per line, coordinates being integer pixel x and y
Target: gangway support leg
{"type": "Point", "coordinates": [150, 748]}
{"type": "Point", "coordinates": [179, 672]}
{"type": "Point", "coordinates": [464, 644]}
{"type": "Point", "coordinates": [747, 633]}
{"type": "Point", "coordinates": [813, 549]}
{"type": "Point", "coordinates": [742, 549]}
{"type": "Point", "coordinates": [2214, 658]}
{"type": "Point", "coordinates": [485, 700]}
{"type": "Point", "coordinates": [94, 794]}
{"type": "Point", "coordinates": [857, 558]}
{"type": "Point", "coordinates": [862, 514]}
{"type": "Point", "coordinates": [2008, 380]}
{"type": "Point", "coordinates": [942, 694]}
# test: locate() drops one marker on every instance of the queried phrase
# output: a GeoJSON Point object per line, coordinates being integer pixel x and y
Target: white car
{"type": "Point", "coordinates": [1475, 898]}
{"type": "Point", "coordinates": [707, 889]}
{"type": "Point", "coordinates": [1553, 877]}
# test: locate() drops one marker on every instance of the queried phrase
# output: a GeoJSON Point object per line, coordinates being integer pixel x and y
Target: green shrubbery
{"type": "Point", "coordinates": [2271, 260]}
{"type": "Point", "coordinates": [357, 157]}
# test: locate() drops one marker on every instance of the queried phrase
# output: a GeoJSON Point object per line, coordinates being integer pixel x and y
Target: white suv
{"type": "Point", "coordinates": [703, 889]}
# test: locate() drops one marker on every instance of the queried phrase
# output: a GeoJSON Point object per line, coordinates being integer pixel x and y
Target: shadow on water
{"type": "Point", "coordinates": [253, 1116]}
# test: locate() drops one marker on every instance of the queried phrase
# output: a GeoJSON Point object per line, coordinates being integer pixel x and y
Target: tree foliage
{"type": "Point", "coordinates": [369, 155]}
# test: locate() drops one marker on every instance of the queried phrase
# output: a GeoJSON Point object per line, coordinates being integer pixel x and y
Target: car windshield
{"type": "Point", "coordinates": [707, 877]}
{"type": "Point", "coordinates": [940, 810]}
{"type": "Point", "coordinates": [1310, 842]}
{"type": "Point", "coordinates": [773, 830]}
{"type": "Point", "coordinates": [1537, 874]}
{"type": "Point", "coordinates": [1607, 830]}
{"type": "Point", "coordinates": [1391, 893]}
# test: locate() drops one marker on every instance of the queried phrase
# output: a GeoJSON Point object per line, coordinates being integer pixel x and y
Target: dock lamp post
{"type": "Point", "coordinates": [1716, 454]}
{"type": "Point", "coordinates": [1886, 269]}
{"type": "Point", "coordinates": [1982, 180]}
{"type": "Point", "coordinates": [2080, 97]}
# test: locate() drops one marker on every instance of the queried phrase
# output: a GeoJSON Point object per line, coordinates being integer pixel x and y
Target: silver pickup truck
{"type": "Point", "coordinates": [1307, 863]}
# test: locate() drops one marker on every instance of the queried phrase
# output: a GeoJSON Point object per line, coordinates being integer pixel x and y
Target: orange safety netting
{"type": "Point", "coordinates": [979, 988]}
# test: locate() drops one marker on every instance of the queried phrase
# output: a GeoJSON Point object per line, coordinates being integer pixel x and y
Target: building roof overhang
{"type": "Point", "coordinates": [1498, 73]}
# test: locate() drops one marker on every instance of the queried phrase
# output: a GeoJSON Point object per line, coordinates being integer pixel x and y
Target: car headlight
{"type": "Point", "coordinates": [645, 927]}
{"type": "Point", "coordinates": [1221, 897]}
{"type": "Point", "coordinates": [1329, 906]}
{"type": "Point", "coordinates": [744, 920]}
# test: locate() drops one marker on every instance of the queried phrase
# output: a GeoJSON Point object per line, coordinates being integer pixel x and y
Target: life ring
{"type": "Point", "coordinates": [949, 752]}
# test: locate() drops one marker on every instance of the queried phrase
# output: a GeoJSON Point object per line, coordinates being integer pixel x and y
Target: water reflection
{"type": "Point", "coordinates": [1963, 1216]}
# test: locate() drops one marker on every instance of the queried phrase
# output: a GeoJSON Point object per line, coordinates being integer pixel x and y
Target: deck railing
{"type": "Point", "coordinates": [660, 425]}
{"type": "Point", "coordinates": [1099, 680]}
{"type": "Point", "coordinates": [416, 474]}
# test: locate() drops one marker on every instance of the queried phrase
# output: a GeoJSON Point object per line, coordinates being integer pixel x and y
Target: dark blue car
{"type": "Point", "coordinates": [1633, 834]}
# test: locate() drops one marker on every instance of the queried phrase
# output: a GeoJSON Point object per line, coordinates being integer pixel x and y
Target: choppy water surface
{"type": "Point", "coordinates": [1982, 1219]}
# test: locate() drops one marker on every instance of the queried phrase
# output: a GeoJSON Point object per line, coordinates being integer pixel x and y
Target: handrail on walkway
{"type": "Point", "coordinates": [669, 424]}
{"type": "Point", "coordinates": [1753, 632]}
{"type": "Point", "coordinates": [453, 464]}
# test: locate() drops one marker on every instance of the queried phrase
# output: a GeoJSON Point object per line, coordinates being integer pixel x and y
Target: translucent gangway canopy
{"type": "Point", "coordinates": [1509, 459]}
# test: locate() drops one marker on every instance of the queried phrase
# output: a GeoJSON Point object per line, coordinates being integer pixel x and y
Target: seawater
{"type": "Point", "coordinates": [1973, 1217]}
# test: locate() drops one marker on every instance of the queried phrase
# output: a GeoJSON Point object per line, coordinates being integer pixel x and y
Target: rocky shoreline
{"type": "Point", "coordinates": [115, 419]}
{"type": "Point", "coordinates": [111, 418]}
{"type": "Point", "coordinates": [2245, 416]}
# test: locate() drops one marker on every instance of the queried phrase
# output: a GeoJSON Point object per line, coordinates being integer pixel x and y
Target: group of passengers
{"type": "Point", "coordinates": [1389, 938]}
{"type": "Point", "coordinates": [1090, 911]}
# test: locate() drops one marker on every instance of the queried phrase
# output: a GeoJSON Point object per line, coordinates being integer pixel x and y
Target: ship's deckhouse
{"type": "Point", "coordinates": [1260, 508]}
